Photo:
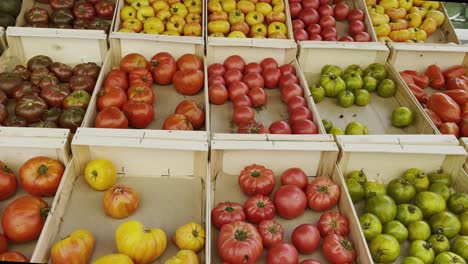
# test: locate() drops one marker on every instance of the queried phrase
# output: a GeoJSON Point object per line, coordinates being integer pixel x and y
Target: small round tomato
{"type": "Point", "coordinates": [111, 117]}
{"type": "Point", "coordinates": [287, 79]}
{"type": "Point", "coordinates": [322, 194]}
{"type": "Point", "coordinates": [289, 91]}
{"type": "Point", "coordinates": [216, 69]}
{"type": "Point", "coordinates": [271, 77]}
{"type": "Point", "coordinates": [189, 62]}
{"type": "Point", "coordinates": [300, 113]}
{"type": "Point", "coordinates": [270, 231]}
{"type": "Point", "coordinates": [287, 69]}
{"type": "Point", "coordinates": [177, 122]}
{"type": "Point", "coordinates": [333, 223]}
{"type": "Point", "coordinates": [216, 79]}
{"type": "Point", "coordinates": [188, 82]}
{"type": "Point", "coordinates": [139, 114]}
{"type": "Point", "coordinates": [253, 67]}
{"type": "Point", "coordinates": [218, 94]}
{"type": "Point", "coordinates": [304, 126]}
{"type": "Point", "coordinates": [294, 176]}
{"type": "Point", "coordinates": [40, 176]}
{"type": "Point", "coordinates": [13, 256]}
{"type": "Point", "coordinates": [111, 96]}
{"type": "Point", "coordinates": [268, 63]}
{"type": "Point", "coordinates": [231, 76]}
{"type": "Point", "coordinates": [194, 114]}
{"type": "Point", "coordinates": [253, 80]}
{"type": "Point", "coordinates": [237, 88]}
{"type": "Point", "coordinates": [116, 78]}
{"type": "Point", "coordinates": [227, 212]}
{"type": "Point", "coordinates": [234, 62]}
{"type": "Point", "coordinates": [338, 249]}
{"type": "Point", "coordinates": [120, 201]}
{"type": "Point", "coordinates": [259, 208]}
{"type": "Point", "coordinates": [280, 127]}
{"type": "Point", "coordinates": [132, 61]}
{"type": "Point", "coordinates": [258, 97]}
{"type": "Point", "coordinates": [282, 253]}
{"type": "Point", "coordinates": [239, 242]}
{"type": "Point", "coordinates": [140, 76]}
{"type": "Point", "coordinates": [140, 93]}
{"type": "Point", "coordinates": [306, 238]}
{"type": "Point", "coordinates": [290, 201]}
{"type": "Point", "coordinates": [256, 179]}
{"type": "Point", "coordinates": [295, 102]}
{"type": "Point", "coordinates": [243, 114]}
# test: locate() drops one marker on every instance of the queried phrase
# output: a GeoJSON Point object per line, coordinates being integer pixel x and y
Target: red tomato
{"type": "Point", "coordinates": [295, 9]}
{"type": "Point", "coordinates": [117, 78]}
{"type": "Point", "coordinates": [282, 253]}
{"type": "Point", "coordinates": [294, 176]}
{"type": "Point", "coordinates": [258, 97]}
{"type": "Point", "coordinates": [234, 62]}
{"type": "Point", "coordinates": [140, 75]}
{"type": "Point", "coordinates": [459, 96]}
{"type": "Point", "coordinates": [346, 38]}
{"type": "Point", "coordinates": [105, 9]}
{"type": "Point", "coordinates": [216, 79]}
{"type": "Point", "coordinates": [338, 249]}
{"type": "Point", "coordinates": [464, 129]}
{"type": "Point", "coordinates": [329, 33]}
{"type": "Point", "coordinates": [315, 4]}
{"type": "Point", "coordinates": [177, 122]}
{"type": "Point", "coordinates": [270, 231]}
{"type": "Point", "coordinates": [450, 128]}
{"type": "Point", "coordinates": [310, 261]}
{"type": "Point", "coordinates": [327, 22]}
{"type": "Point", "coordinates": [333, 223]}
{"type": "Point", "coordinates": [295, 102]}
{"type": "Point", "coordinates": [243, 114]}
{"type": "Point", "coordinates": [111, 96]}
{"type": "Point", "coordinates": [252, 127]}
{"type": "Point", "coordinates": [239, 242]}
{"type": "Point", "coordinates": [304, 126]}
{"type": "Point", "coordinates": [356, 14]}
{"type": "Point", "coordinates": [256, 179]}
{"type": "Point", "coordinates": [231, 76]}
{"type": "Point", "coordinates": [237, 88]}
{"type": "Point", "coordinates": [326, 10]}
{"type": "Point", "coordinates": [455, 71]}
{"type": "Point", "coordinates": [162, 67]}
{"type": "Point", "coordinates": [8, 182]}
{"type": "Point", "coordinates": [253, 67]}
{"type": "Point", "coordinates": [189, 62]}
{"type": "Point", "coordinates": [242, 100]}
{"type": "Point", "coordinates": [218, 94]}
{"type": "Point", "coordinates": [280, 127]}
{"type": "Point", "coordinates": [356, 26]}
{"type": "Point", "coordinates": [341, 11]}
{"type": "Point", "coordinates": [419, 93]}
{"type": "Point", "coordinates": [289, 91]}
{"type": "Point", "coordinates": [13, 256]}
{"type": "Point", "coordinates": [457, 83]}
{"type": "Point", "coordinates": [290, 201]}
{"type": "Point", "coordinates": [300, 34]}
{"type": "Point", "coordinates": [314, 29]}
{"type": "Point", "coordinates": [253, 80]}
{"type": "Point", "coordinates": [216, 69]}
{"type": "Point", "coordinates": [111, 117]}
{"type": "Point", "coordinates": [309, 16]}
{"type": "Point", "coordinates": [132, 61]}
{"type": "Point", "coordinates": [227, 212]}
{"type": "Point", "coordinates": [139, 114]}
{"type": "Point", "coordinates": [306, 238]}
{"type": "Point", "coordinates": [434, 118]}
{"type": "Point", "coordinates": [322, 194]}
{"type": "Point", "coordinates": [40, 176]}
{"type": "Point", "coordinates": [299, 114]}
{"type": "Point", "coordinates": [269, 63]}
{"type": "Point", "coordinates": [188, 82]}
{"type": "Point", "coordinates": [287, 79]}
{"type": "Point", "coordinates": [362, 37]}
{"type": "Point", "coordinates": [407, 78]}
{"type": "Point", "coordinates": [194, 114]}
{"type": "Point", "coordinates": [3, 244]}
{"type": "Point", "coordinates": [271, 77]}
{"type": "Point", "coordinates": [444, 107]}
{"type": "Point", "coordinates": [259, 208]}
{"type": "Point", "coordinates": [287, 69]}
{"type": "Point", "coordinates": [24, 218]}
{"type": "Point", "coordinates": [316, 37]}
{"type": "Point", "coordinates": [140, 93]}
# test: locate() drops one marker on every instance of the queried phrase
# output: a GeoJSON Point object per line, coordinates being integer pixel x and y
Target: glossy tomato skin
{"type": "Point", "coordinates": [322, 194]}
{"type": "Point", "coordinates": [253, 67]}
{"type": "Point", "coordinates": [252, 127]}
{"type": "Point", "coordinates": [256, 179]}
{"type": "Point", "coordinates": [282, 253]}
{"type": "Point", "coordinates": [117, 78]}
{"type": "Point", "coordinates": [231, 76]}
{"type": "Point", "coordinates": [259, 208]}
{"type": "Point", "coordinates": [444, 107]}
{"type": "Point", "coordinates": [239, 242]}
{"type": "Point", "coordinates": [77, 246]}
{"type": "Point", "coordinates": [258, 97]}
{"type": "Point", "coordinates": [132, 61]}
{"type": "Point", "coordinates": [8, 182]}
{"type": "Point", "coordinates": [39, 61]}
{"type": "Point", "coordinates": [62, 71]}
{"type": "Point", "coordinates": [457, 83]}
{"type": "Point", "coordinates": [216, 79]}
{"type": "Point", "coordinates": [189, 62]}
{"type": "Point", "coordinates": [227, 212]}
{"type": "Point", "coordinates": [3, 244]}
{"type": "Point", "coordinates": [268, 63]}
{"type": "Point", "coordinates": [140, 93]}
{"type": "Point", "coordinates": [290, 201]}
{"type": "Point", "coordinates": [295, 102]}
{"type": "Point", "coordinates": [120, 201]}
{"type": "Point", "coordinates": [105, 9]}
{"type": "Point", "coordinates": [177, 122]}
{"type": "Point", "coordinates": [30, 107]}
{"type": "Point", "coordinates": [294, 176]}
{"type": "Point", "coordinates": [111, 117]}
{"type": "Point", "coordinates": [218, 93]}
{"type": "Point", "coordinates": [242, 100]}
{"type": "Point", "coordinates": [15, 121]}
{"type": "Point", "coordinates": [54, 94]}
{"type": "Point", "coordinates": [40, 176]}
{"type": "Point", "coordinates": [289, 91]}
{"type": "Point", "coordinates": [237, 88]}
{"type": "Point", "coordinates": [78, 98]}
{"type": "Point", "coordinates": [110, 96]}
{"type": "Point", "coordinates": [338, 249]}
{"type": "Point", "coordinates": [243, 114]}
{"type": "Point", "coordinates": [450, 128]}
{"type": "Point", "coordinates": [82, 82]}
{"type": "Point", "coordinates": [24, 218]}
{"type": "Point", "coordinates": [216, 69]}
{"type": "Point", "coordinates": [13, 256]}
{"type": "Point", "coordinates": [287, 69]}
{"type": "Point", "coordinates": [188, 82]}
{"type": "Point", "coordinates": [306, 238]}
{"type": "Point", "coordinates": [139, 114]}
{"type": "Point", "coordinates": [333, 223]}
{"type": "Point", "coordinates": [459, 96]}
{"type": "Point", "coordinates": [304, 126]}
{"type": "Point", "coordinates": [140, 76]}
{"type": "Point", "coordinates": [270, 231]}
{"type": "Point", "coordinates": [71, 118]}
{"type": "Point", "coordinates": [194, 114]}
{"type": "Point", "coordinates": [280, 127]}
{"type": "Point", "coordinates": [24, 88]}
{"type": "Point", "coordinates": [90, 69]}
{"type": "Point", "coordinates": [163, 67]}
{"type": "Point", "coordinates": [300, 113]}
{"type": "Point", "coordinates": [84, 10]}
{"type": "Point", "coordinates": [271, 77]}
{"type": "Point", "coordinates": [253, 80]}
{"type": "Point", "coordinates": [234, 62]}
{"type": "Point", "coordinates": [434, 118]}
{"type": "Point", "coordinates": [287, 79]}
{"type": "Point", "coordinates": [22, 72]}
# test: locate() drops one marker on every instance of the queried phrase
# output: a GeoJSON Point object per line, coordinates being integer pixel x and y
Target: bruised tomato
{"type": "Point", "coordinates": [194, 114]}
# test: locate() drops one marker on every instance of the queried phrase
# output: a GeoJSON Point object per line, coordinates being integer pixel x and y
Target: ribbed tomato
{"type": "Point", "coordinates": [40, 176]}
{"type": "Point", "coordinates": [322, 194]}
{"type": "Point", "coordinates": [239, 242]}
{"type": "Point", "coordinates": [120, 201]}
{"type": "Point", "coordinates": [333, 223]}
{"type": "Point", "coordinates": [194, 114]}
{"type": "Point", "coordinates": [162, 66]}
{"type": "Point", "coordinates": [77, 246]}
{"type": "Point", "coordinates": [140, 93]}
{"type": "Point", "coordinates": [132, 61]}
{"type": "Point", "coordinates": [140, 76]}
{"type": "Point", "coordinates": [177, 122]}
{"type": "Point", "coordinates": [259, 208]}
{"type": "Point", "coordinates": [270, 231]}
{"type": "Point", "coordinates": [256, 179]}
{"type": "Point", "coordinates": [189, 62]}
{"type": "Point", "coordinates": [117, 78]}
{"type": "Point", "coordinates": [227, 212]}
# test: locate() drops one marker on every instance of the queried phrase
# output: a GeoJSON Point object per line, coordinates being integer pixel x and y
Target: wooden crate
{"type": "Point", "coordinates": [228, 158]}
{"type": "Point", "coordinates": [3, 42]}
{"type": "Point", "coordinates": [15, 150]}
{"type": "Point", "coordinates": [377, 114]}
{"type": "Point", "coordinates": [221, 115]}
{"type": "Point", "coordinates": [166, 97]}
{"type": "Point", "coordinates": [169, 176]}
{"type": "Point", "coordinates": [464, 143]}
{"type": "Point", "coordinates": [385, 162]}
{"type": "Point", "coordinates": [28, 4]}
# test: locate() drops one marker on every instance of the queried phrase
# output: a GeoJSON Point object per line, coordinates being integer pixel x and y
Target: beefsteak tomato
{"type": "Point", "coordinates": [333, 223]}
{"type": "Point", "coordinates": [111, 96]}
{"type": "Point", "coordinates": [189, 62]}
{"type": "Point", "coordinates": [90, 69]}
{"type": "Point", "coordinates": [259, 208]}
{"type": "Point", "coordinates": [77, 246]}
{"type": "Point", "coordinates": [294, 176]}
{"type": "Point", "coordinates": [177, 122]}
{"type": "Point", "coordinates": [270, 231]}
{"type": "Point", "coordinates": [140, 93]}
{"type": "Point", "coordinates": [162, 66]}
{"type": "Point", "coordinates": [139, 114]}
{"type": "Point", "coordinates": [120, 201]}
{"type": "Point", "coordinates": [239, 242]}
{"type": "Point", "coordinates": [322, 194]}
{"type": "Point", "coordinates": [40, 176]}
{"type": "Point", "coordinates": [256, 179]}
{"type": "Point", "coordinates": [188, 82]}
{"type": "Point", "coordinates": [111, 117]}
{"type": "Point", "coordinates": [141, 76]}
{"type": "Point", "coordinates": [227, 212]}
{"type": "Point", "coordinates": [117, 78]}
{"type": "Point", "coordinates": [132, 61]}
{"type": "Point", "coordinates": [54, 94]}
{"type": "Point", "coordinates": [194, 114]}
{"type": "Point", "coordinates": [338, 250]}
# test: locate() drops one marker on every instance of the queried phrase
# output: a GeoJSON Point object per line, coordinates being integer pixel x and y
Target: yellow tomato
{"type": "Point", "coordinates": [245, 6]}
{"type": "Point", "coordinates": [164, 15]}
{"type": "Point", "coordinates": [145, 12]}
{"type": "Point", "coordinates": [218, 27]}
{"type": "Point", "coordinates": [184, 257]}
{"type": "Point", "coordinates": [431, 5]}
{"type": "Point", "coordinates": [216, 35]}
{"type": "Point", "coordinates": [179, 9]}
{"type": "Point", "coordinates": [236, 34]}
{"type": "Point", "coordinates": [279, 7]}
{"type": "Point", "coordinates": [159, 5]}
{"type": "Point", "coordinates": [236, 16]}
{"type": "Point", "coordinates": [228, 5]}
{"type": "Point", "coordinates": [258, 30]}
{"type": "Point", "coordinates": [188, 3]}
{"type": "Point", "coordinates": [114, 259]}
{"type": "Point", "coordinates": [193, 17]}
{"type": "Point", "coordinates": [190, 236]}
{"type": "Point", "coordinates": [127, 12]}
{"type": "Point", "coordinates": [193, 29]}
{"type": "Point", "coordinates": [263, 8]}
{"type": "Point", "coordinates": [78, 247]}
{"type": "Point", "coordinates": [438, 16]}
{"type": "Point", "coordinates": [254, 18]}
{"type": "Point", "coordinates": [100, 174]}
{"type": "Point", "coordinates": [142, 245]}
{"type": "Point", "coordinates": [193, 6]}
{"type": "Point", "coordinates": [214, 6]}
{"type": "Point", "coordinates": [429, 25]}
{"type": "Point", "coordinates": [171, 33]}
{"type": "Point", "coordinates": [277, 27]}
{"type": "Point", "coordinates": [137, 4]}
{"type": "Point", "coordinates": [153, 25]}
{"type": "Point", "coordinates": [176, 23]}
{"type": "Point", "coordinates": [126, 30]}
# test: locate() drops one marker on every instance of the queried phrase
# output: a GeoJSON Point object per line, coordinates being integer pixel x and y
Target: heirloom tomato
{"type": "Point", "coordinates": [239, 242]}
{"type": "Point", "coordinates": [40, 176]}
{"type": "Point", "coordinates": [84, 10]}
{"type": "Point", "coordinates": [26, 88]}
{"type": "Point", "coordinates": [82, 82]}
{"type": "Point", "coordinates": [162, 66]}
{"type": "Point", "coordinates": [77, 99]}
{"type": "Point", "coordinates": [54, 94]}
{"type": "Point", "coordinates": [227, 212]}
{"type": "Point", "coordinates": [322, 194]}
{"type": "Point", "coordinates": [253, 80]}
{"type": "Point", "coordinates": [39, 61]}
{"type": "Point", "coordinates": [295, 102]}
{"type": "Point", "coordinates": [100, 174]}
{"type": "Point", "coordinates": [287, 68]}
{"type": "Point", "coordinates": [300, 113]}
{"type": "Point", "coordinates": [333, 223]}
{"type": "Point", "coordinates": [132, 61]}
{"type": "Point", "coordinates": [256, 179]}
{"type": "Point", "coordinates": [270, 231]}
{"type": "Point", "coordinates": [3, 113]}
{"type": "Point", "coordinates": [13, 256]}
{"type": "Point", "coordinates": [114, 259]}
{"type": "Point", "coordinates": [189, 62]}
{"type": "Point", "coordinates": [71, 118]}
{"type": "Point", "coordinates": [77, 246]}
{"type": "Point", "coordinates": [177, 122]}
{"type": "Point", "coordinates": [231, 76]}
{"type": "Point", "coordinates": [282, 253]}
{"type": "Point", "coordinates": [259, 208]}
{"type": "Point", "coordinates": [306, 238]}
{"type": "Point", "coordinates": [237, 88]}
{"type": "Point", "coordinates": [188, 82]}
{"type": "Point", "coordinates": [194, 114]}
{"type": "Point", "coordinates": [252, 127]}
{"type": "Point", "coordinates": [117, 78]}
{"type": "Point", "coordinates": [294, 176]}
{"type": "Point", "coordinates": [185, 257]}
{"type": "Point", "coordinates": [8, 81]}
{"type": "Point", "coordinates": [37, 15]}
{"type": "Point", "coordinates": [190, 236]}
{"type": "Point", "coordinates": [22, 72]}
{"type": "Point", "coordinates": [338, 249]}
{"type": "Point", "coordinates": [110, 96]}
{"type": "Point", "coordinates": [140, 76]}
{"type": "Point", "coordinates": [87, 69]}
{"type": "Point", "coordinates": [105, 9]}
{"type": "Point", "coordinates": [290, 201]}
{"type": "Point", "coordinates": [42, 77]}
{"type": "Point", "coordinates": [120, 201]}
{"type": "Point", "coordinates": [139, 114]}
{"type": "Point", "coordinates": [62, 71]}
{"type": "Point", "coordinates": [140, 93]}
{"type": "Point", "coordinates": [8, 182]}
{"type": "Point", "coordinates": [15, 121]}
{"type": "Point", "coordinates": [241, 100]}
{"type": "Point", "coordinates": [30, 107]}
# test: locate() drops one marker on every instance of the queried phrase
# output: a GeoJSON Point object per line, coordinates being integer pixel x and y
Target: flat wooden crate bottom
{"type": "Point", "coordinates": [165, 202]}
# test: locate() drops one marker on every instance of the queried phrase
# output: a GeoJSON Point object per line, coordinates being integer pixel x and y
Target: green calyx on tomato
{"type": "Point", "coordinates": [458, 202]}
{"type": "Point", "coordinates": [430, 203]}
{"type": "Point", "coordinates": [396, 229]}
{"type": "Point", "coordinates": [439, 243]}
{"type": "Point", "coordinates": [418, 178]}
{"type": "Point", "coordinates": [419, 230]}
{"type": "Point", "coordinates": [355, 128]}
{"type": "Point", "coordinates": [402, 117]}
{"type": "Point", "coordinates": [333, 69]}
{"type": "Point", "coordinates": [318, 93]}
{"type": "Point", "coordinates": [362, 97]}
{"type": "Point", "coordinates": [386, 88]}
{"type": "Point", "coordinates": [381, 206]}
{"type": "Point", "coordinates": [372, 188]}
{"type": "Point", "coordinates": [332, 84]}
{"type": "Point", "coordinates": [370, 83]}
{"type": "Point", "coordinates": [359, 175]}
{"type": "Point", "coordinates": [422, 250]}
{"type": "Point", "coordinates": [370, 225]}
{"type": "Point", "coordinates": [354, 82]}
{"type": "Point", "coordinates": [346, 99]}
{"type": "Point", "coordinates": [448, 257]}
{"type": "Point", "coordinates": [78, 98]}
{"type": "Point", "coordinates": [377, 71]}
{"type": "Point", "coordinates": [384, 248]}
{"type": "Point", "coordinates": [440, 189]}
{"type": "Point", "coordinates": [459, 246]}
{"type": "Point", "coordinates": [445, 223]}
{"type": "Point", "coordinates": [327, 124]}
{"type": "Point", "coordinates": [408, 213]}
{"type": "Point", "coordinates": [354, 68]}
{"type": "Point", "coordinates": [440, 176]}
{"type": "Point", "coordinates": [401, 190]}
{"type": "Point", "coordinates": [355, 189]}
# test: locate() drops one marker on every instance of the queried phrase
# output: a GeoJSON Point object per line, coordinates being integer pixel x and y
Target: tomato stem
{"type": "Point", "coordinates": [6, 169]}
{"type": "Point", "coordinates": [94, 174]}
{"type": "Point", "coordinates": [255, 174]}
{"type": "Point", "coordinates": [44, 212]}
{"type": "Point", "coordinates": [240, 235]}
{"type": "Point", "coordinates": [260, 204]}
{"type": "Point", "coordinates": [195, 233]}
{"type": "Point", "coordinates": [229, 209]}
{"type": "Point", "coordinates": [272, 229]}
{"type": "Point", "coordinates": [346, 244]}
{"type": "Point", "coordinates": [42, 169]}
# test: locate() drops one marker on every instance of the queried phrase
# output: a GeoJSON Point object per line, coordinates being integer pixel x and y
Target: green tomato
{"type": "Point", "coordinates": [384, 249]}
{"type": "Point", "coordinates": [419, 230]}
{"type": "Point", "coordinates": [402, 117]}
{"type": "Point", "coordinates": [422, 250]}
{"type": "Point", "coordinates": [353, 81]}
{"type": "Point", "coordinates": [381, 206]}
{"type": "Point", "coordinates": [318, 93]}
{"type": "Point", "coordinates": [401, 190]}
{"type": "Point", "coordinates": [412, 260]}
{"type": "Point", "coordinates": [397, 230]}
{"type": "Point", "coordinates": [386, 88]}
{"type": "Point", "coordinates": [355, 189]}
{"type": "Point", "coordinates": [376, 70]}
{"type": "Point", "coordinates": [448, 258]}
{"type": "Point", "coordinates": [430, 203]}
{"type": "Point", "coordinates": [408, 213]}
{"type": "Point", "coordinates": [360, 176]}
{"type": "Point", "coordinates": [370, 225]}
{"type": "Point", "coordinates": [460, 246]}
{"type": "Point", "coordinates": [418, 178]}
{"type": "Point", "coordinates": [372, 188]}
{"type": "Point", "coordinates": [333, 69]}
{"type": "Point", "coordinates": [445, 223]}
{"type": "Point", "coordinates": [354, 128]}
{"type": "Point", "coordinates": [458, 202]}
{"type": "Point", "coordinates": [354, 68]}
{"type": "Point", "coordinates": [346, 99]}
{"type": "Point", "coordinates": [327, 124]}
{"type": "Point", "coordinates": [370, 83]}
{"type": "Point", "coordinates": [362, 97]}
{"type": "Point", "coordinates": [440, 176]}
{"type": "Point", "coordinates": [440, 189]}
{"type": "Point", "coordinates": [337, 131]}
{"type": "Point", "coordinates": [332, 84]}
{"type": "Point", "coordinates": [439, 243]}
{"type": "Point", "coordinates": [463, 218]}
{"type": "Point", "coordinates": [365, 130]}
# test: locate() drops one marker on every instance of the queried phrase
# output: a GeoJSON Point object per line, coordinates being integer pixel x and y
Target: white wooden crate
{"type": "Point", "coordinates": [14, 152]}
{"type": "Point", "coordinates": [464, 143]}
{"type": "Point", "coordinates": [166, 97]}
{"type": "Point", "coordinates": [221, 126]}
{"type": "Point", "coordinates": [377, 114]}
{"type": "Point", "coordinates": [3, 42]}
{"type": "Point", "coordinates": [228, 158]}
{"type": "Point", "coordinates": [384, 162]}
{"type": "Point", "coordinates": [169, 175]}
